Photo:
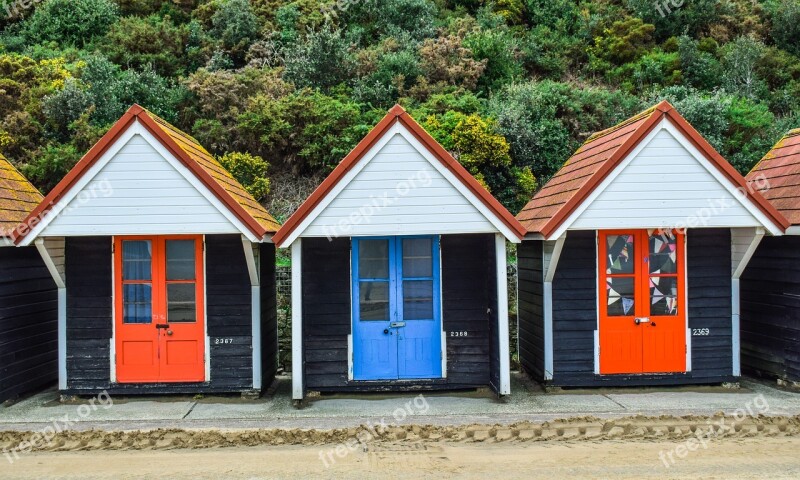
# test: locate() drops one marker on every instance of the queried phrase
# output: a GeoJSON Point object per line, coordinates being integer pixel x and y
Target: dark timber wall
{"type": "Point", "coordinates": [468, 292]}
{"type": "Point", "coordinates": [269, 315]}
{"type": "Point", "coordinates": [530, 268]}
{"type": "Point", "coordinates": [228, 310]}
{"type": "Point", "coordinates": [770, 316]}
{"type": "Point", "coordinates": [575, 313]}
{"type": "Point", "coordinates": [28, 323]}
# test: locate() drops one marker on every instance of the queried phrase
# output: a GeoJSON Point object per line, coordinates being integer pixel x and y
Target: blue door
{"type": "Point", "coordinates": [396, 308]}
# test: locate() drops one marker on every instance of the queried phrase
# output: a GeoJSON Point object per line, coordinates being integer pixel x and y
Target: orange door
{"type": "Point", "coordinates": [160, 333]}
{"type": "Point", "coordinates": [642, 322]}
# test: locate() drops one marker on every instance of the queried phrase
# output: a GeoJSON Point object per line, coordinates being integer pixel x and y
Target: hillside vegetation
{"type": "Point", "coordinates": [284, 89]}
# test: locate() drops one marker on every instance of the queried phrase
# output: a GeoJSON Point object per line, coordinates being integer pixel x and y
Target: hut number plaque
{"type": "Point", "coordinates": [701, 332]}
{"type": "Point", "coordinates": [463, 333]}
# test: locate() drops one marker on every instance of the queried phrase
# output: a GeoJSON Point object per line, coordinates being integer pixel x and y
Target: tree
{"type": "Point", "coordinates": [155, 41]}
{"type": "Point", "coordinates": [72, 22]}
{"type": "Point", "coordinates": [786, 25]}
{"type": "Point", "coordinates": [323, 60]}
{"type": "Point", "coordinates": [235, 26]}
{"type": "Point", "coordinates": [740, 60]}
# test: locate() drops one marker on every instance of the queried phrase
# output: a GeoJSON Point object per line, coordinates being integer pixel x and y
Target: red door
{"type": "Point", "coordinates": [642, 307]}
{"type": "Point", "coordinates": [160, 333]}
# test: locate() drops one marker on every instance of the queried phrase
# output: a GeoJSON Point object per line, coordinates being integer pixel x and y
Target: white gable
{"type": "Point", "coordinates": [399, 188]}
{"type": "Point", "coordinates": [138, 188]}
{"type": "Point", "coordinates": [666, 183]}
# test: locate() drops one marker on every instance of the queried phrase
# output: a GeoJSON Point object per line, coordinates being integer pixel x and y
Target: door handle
{"type": "Point", "coordinates": [652, 324]}
{"type": "Point", "coordinates": [162, 326]}
{"type": "Point", "coordinates": [397, 324]}
{"type": "Point", "coordinates": [169, 332]}
{"type": "Point", "coordinates": [640, 320]}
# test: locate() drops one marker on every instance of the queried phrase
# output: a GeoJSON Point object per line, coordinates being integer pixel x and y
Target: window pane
{"type": "Point", "coordinates": [137, 303]}
{"type": "Point", "coordinates": [418, 300]}
{"type": "Point", "coordinates": [180, 260]}
{"type": "Point", "coordinates": [136, 259]}
{"type": "Point", "coordinates": [417, 257]}
{"type": "Point", "coordinates": [663, 295]}
{"type": "Point", "coordinates": [181, 303]}
{"type": "Point", "coordinates": [663, 246]}
{"type": "Point", "coordinates": [620, 296]}
{"type": "Point", "coordinates": [620, 254]}
{"type": "Point", "coordinates": [374, 300]}
{"type": "Point", "coordinates": [373, 259]}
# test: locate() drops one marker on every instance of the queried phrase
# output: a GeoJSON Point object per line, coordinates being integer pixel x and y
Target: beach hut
{"type": "Point", "coordinates": [629, 273]}
{"type": "Point", "coordinates": [167, 283]}
{"type": "Point", "coordinates": [28, 305]}
{"type": "Point", "coordinates": [399, 271]}
{"type": "Point", "coordinates": [771, 282]}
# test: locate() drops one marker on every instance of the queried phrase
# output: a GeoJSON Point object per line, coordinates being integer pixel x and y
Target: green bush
{"type": "Point", "coordinates": [71, 22]}
{"type": "Point", "coordinates": [249, 170]}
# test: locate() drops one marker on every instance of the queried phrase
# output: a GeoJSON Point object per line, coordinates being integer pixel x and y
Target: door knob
{"type": "Point", "coordinates": [169, 332]}
{"type": "Point", "coordinates": [652, 324]}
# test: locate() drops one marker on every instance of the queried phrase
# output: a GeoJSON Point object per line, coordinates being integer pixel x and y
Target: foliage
{"type": "Point", "coordinates": [73, 22]}
{"type": "Point", "coordinates": [249, 170]}
{"type": "Point", "coordinates": [511, 87]}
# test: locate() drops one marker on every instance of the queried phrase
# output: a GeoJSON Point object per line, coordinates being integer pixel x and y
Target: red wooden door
{"type": "Point", "coordinates": [160, 331]}
{"type": "Point", "coordinates": [642, 319]}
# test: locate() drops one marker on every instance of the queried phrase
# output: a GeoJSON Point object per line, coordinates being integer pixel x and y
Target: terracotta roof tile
{"type": "Point", "coordinates": [781, 168]}
{"type": "Point", "coordinates": [18, 197]}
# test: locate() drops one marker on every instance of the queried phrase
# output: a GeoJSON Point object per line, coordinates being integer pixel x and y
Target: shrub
{"type": "Point", "coordinates": [250, 171]}
{"type": "Point", "coordinates": [72, 22]}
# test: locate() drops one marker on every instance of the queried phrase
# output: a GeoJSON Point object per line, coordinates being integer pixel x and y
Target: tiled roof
{"type": "Point", "coordinates": [781, 169]}
{"type": "Point", "coordinates": [17, 197]}
{"type": "Point", "coordinates": [601, 154]}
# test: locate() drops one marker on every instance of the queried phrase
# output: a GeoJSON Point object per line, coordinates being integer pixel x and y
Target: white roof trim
{"type": "Point", "coordinates": [136, 128]}
{"type": "Point", "coordinates": [666, 124]}
{"type": "Point", "coordinates": [399, 129]}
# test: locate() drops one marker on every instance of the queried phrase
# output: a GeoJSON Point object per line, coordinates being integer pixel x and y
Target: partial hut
{"type": "Point", "coordinates": [771, 282]}
{"type": "Point", "coordinates": [629, 273]}
{"type": "Point", "coordinates": [168, 282]}
{"type": "Point", "coordinates": [28, 305]}
{"type": "Point", "coordinates": [399, 271]}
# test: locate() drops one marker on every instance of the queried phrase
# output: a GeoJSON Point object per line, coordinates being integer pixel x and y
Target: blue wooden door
{"type": "Point", "coordinates": [396, 308]}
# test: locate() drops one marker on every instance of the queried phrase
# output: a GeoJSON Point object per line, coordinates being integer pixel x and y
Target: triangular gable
{"type": "Point", "coordinates": [189, 159]}
{"type": "Point", "coordinates": [777, 176]}
{"type": "Point", "coordinates": [397, 130]}
{"type": "Point", "coordinates": [18, 197]}
{"type": "Point", "coordinates": [554, 207]}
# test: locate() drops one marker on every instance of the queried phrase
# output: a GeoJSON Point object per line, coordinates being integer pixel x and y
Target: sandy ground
{"type": "Point", "coordinates": [736, 458]}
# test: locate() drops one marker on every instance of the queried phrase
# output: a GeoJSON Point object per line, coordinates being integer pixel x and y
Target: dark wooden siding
{"type": "Point", "coordinates": [28, 323]}
{"type": "Point", "coordinates": [468, 289]}
{"type": "Point", "coordinates": [89, 318]}
{"type": "Point", "coordinates": [770, 313]}
{"type": "Point", "coordinates": [575, 313]}
{"type": "Point", "coordinates": [229, 312]}
{"type": "Point", "coordinates": [530, 306]}
{"type": "Point", "coordinates": [269, 315]}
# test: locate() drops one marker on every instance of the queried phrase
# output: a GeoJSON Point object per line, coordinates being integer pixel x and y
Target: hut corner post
{"type": "Point", "coordinates": [502, 314]}
{"type": "Point", "coordinates": [552, 252]}
{"type": "Point", "coordinates": [62, 311]}
{"type": "Point", "coordinates": [297, 320]}
{"type": "Point", "coordinates": [744, 243]}
{"type": "Point", "coordinates": [255, 295]}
